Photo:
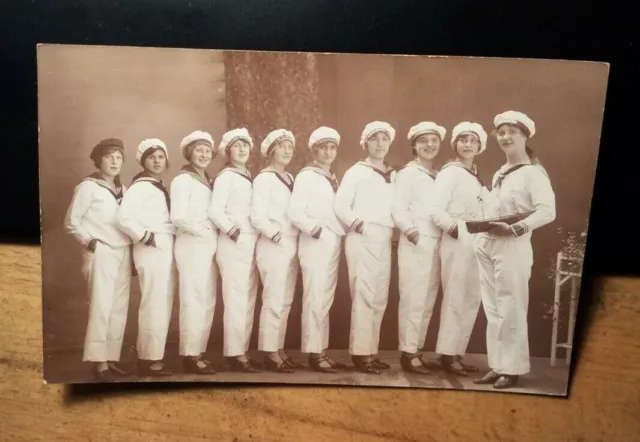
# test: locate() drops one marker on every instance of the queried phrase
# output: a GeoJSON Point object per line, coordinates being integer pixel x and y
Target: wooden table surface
{"type": "Point", "coordinates": [604, 403]}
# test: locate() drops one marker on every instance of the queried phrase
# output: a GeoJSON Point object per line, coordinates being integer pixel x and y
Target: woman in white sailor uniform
{"type": "Point", "coordinates": [418, 260]}
{"type": "Point", "coordinates": [311, 211]}
{"type": "Point", "coordinates": [91, 219]}
{"type": "Point", "coordinates": [505, 254]}
{"type": "Point", "coordinates": [277, 248]}
{"type": "Point", "coordinates": [230, 211]}
{"type": "Point", "coordinates": [144, 217]}
{"type": "Point", "coordinates": [195, 247]}
{"type": "Point", "coordinates": [363, 203]}
{"type": "Point", "coordinates": [459, 197]}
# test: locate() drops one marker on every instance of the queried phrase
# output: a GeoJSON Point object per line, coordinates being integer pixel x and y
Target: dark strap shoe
{"type": "Point", "coordinates": [242, 366]}
{"type": "Point", "coordinates": [118, 369]}
{"type": "Point", "coordinates": [277, 367]}
{"type": "Point", "coordinates": [364, 366]}
{"type": "Point", "coordinates": [102, 375]}
{"type": "Point", "coordinates": [321, 364]}
{"type": "Point", "coordinates": [197, 365]}
{"type": "Point", "coordinates": [153, 368]}
{"type": "Point", "coordinates": [380, 365]}
{"type": "Point", "coordinates": [488, 378]}
{"type": "Point", "coordinates": [506, 381]}
{"type": "Point", "coordinates": [336, 365]}
{"type": "Point", "coordinates": [406, 360]}
{"type": "Point", "coordinates": [292, 363]}
{"type": "Point", "coordinates": [468, 368]}
{"type": "Point", "coordinates": [451, 365]}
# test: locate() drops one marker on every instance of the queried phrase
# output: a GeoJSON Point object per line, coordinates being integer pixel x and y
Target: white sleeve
{"type": "Point", "coordinates": [219, 198]}
{"type": "Point", "coordinates": [298, 203]}
{"type": "Point", "coordinates": [543, 199]}
{"type": "Point", "coordinates": [401, 201]}
{"type": "Point", "coordinates": [260, 205]}
{"type": "Point", "coordinates": [180, 196]}
{"type": "Point", "coordinates": [130, 207]}
{"type": "Point", "coordinates": [443, 190]}
{"type": "Point", "coordinates": [345, 196]}
{"type": "Point", "coordinates": [80, 203]}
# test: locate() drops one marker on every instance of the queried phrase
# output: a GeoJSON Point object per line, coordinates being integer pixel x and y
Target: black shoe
{"type": "Point", "coordinates": [197, 365]}
{"type": "Point", "coordinates": [364, 366]}
{"type": "Point", "coordinates": [278, 367]}
{"type": "Point", "coordinates": [405, 363]}
{"type": "Point", "coordinates": [144, 369]}
{"type": "Point", "coordinates": [451, 365]}
{"type": "Point", "coordinates": [291, 363]}
{"type": "Point", "coordinates": [241, 366]}
{"type": "Point", "coordinates": [336, 365]}
{"type": "Point", "coordinates": [488, 378]}
{"type": "Point", "coordinates": [102, 375]}
{"type": "Point", "coordinates": [380, 365]}
{"type": "Point", "coordinates": [468, 368]}
{"type": "Point", "coordinates": [506, 381]}
{"type": "Point", "coordinates": [315, 364]}
{"type": "Point", "coordinates": [118, 369]}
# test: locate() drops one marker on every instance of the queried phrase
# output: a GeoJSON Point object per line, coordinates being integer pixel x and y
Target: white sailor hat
{"type": "Point", "coordinates": [230, 137]}
{"type": "Point", "coordinates": [322, 135]}
{"type": "Point", "coordinates": [467, 127]}
{"type": "Point", "coordinates": [273, 138]}
{"type": "Point", "coordinates": [150, 143]}
{"type": "Point", "coordinates": [375, 127]}
{"type": "Point", "coordinates": [517, 118]}
{"type": "Point", "coordinates": [426, 127]}
{"type": "Point", "coordinates": [195, 137]}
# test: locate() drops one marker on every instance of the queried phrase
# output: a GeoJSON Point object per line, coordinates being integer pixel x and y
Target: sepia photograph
{"type": "Point", "coordinates": [314, 218]}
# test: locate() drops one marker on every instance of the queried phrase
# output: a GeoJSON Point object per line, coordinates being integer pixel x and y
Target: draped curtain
{"type": "Point", "coordinates": [268, 91]}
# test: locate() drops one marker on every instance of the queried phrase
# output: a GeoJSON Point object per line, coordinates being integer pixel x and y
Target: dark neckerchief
{"type": "Point", "coordinates": [385, 175]}
{"type": "Point", "coordinates": [474, 172]}
{"type": "Point", "coordinates": [282, 180]}
{"type": "Point", "coordinates": [330, 176]}
{"type": "Point", "coordinates": [230, 167]}
{"type": "Point", "coordinates": [189, 169]}
{"type": "Point", "coordinates": [118, 194]}
{"type": "Point", "coordinates": [145, 177]}
{"type": "Point", "coordinates": [421, 168]}
{"type": "Point", "coordinates": [502, 175]}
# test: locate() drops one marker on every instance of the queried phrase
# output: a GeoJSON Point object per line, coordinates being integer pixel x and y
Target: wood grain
{"type": "Point", "coordinates": [604, 404]}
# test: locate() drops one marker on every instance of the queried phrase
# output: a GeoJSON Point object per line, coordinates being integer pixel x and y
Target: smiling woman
{"type": "Point", "coordinates": [418, 263]}
{"type": "Point", "coordinates": [144, 217]}
{"type": "Point", "coordinates": [505, 255]}
{"type": "Point", "coordinates": [458, 197]}
{"type": "Point", "coordinates": [363, 204]}
{"type": "Point", "coordinates": [196, 243]}
{"type": "Point", "coordinates": [276, 250]}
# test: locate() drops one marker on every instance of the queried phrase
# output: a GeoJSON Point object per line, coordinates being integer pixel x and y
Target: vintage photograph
{"type": "Point", "coordinates": [314, 218]}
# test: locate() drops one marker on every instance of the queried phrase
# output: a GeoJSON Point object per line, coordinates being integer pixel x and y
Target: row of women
{"type": "Point", "coordinates": [273, 225]}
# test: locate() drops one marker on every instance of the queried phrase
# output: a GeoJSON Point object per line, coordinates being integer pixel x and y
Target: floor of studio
{"type": "Point", "coordinates": [543, 379]}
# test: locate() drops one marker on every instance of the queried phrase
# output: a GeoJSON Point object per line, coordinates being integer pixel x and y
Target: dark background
{"type": "Point", "coordinates": [599, 31]}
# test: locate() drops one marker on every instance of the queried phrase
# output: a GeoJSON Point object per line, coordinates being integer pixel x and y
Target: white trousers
{"type": "Point", "coordinates": [239, 289]}
{"type": "Point", "coordinates": [107, 272]}
{"type": "Point", "coordinates": [319, 259]}
{"type": "Point", "coordinates": [157, 276]}
{"type": "Point", "coordinates": [278, 268]}
{"type": "Point", "coordinates": [505, 266]}
{"type": "Point", "coordinates": [197, 275]}
{"type": "Point", "coordinates": [461, 292]}
{"type": "Point", "coordinates": [369, 264]}
{"type": "Point", "coordinates": [419, 280]}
